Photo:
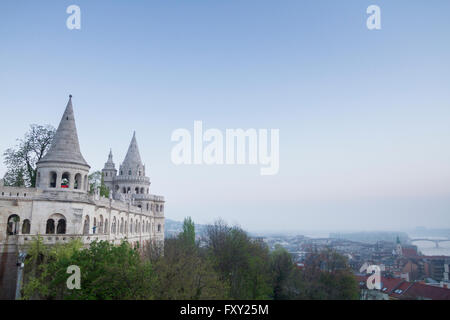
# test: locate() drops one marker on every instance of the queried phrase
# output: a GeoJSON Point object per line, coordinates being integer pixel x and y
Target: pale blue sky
{"type": "Point", "coordinates": [363, 115]}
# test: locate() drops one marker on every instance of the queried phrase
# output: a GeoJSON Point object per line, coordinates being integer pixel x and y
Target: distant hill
{"type": "Point", "coordinates": [173, 227]}
{"type": "Point", "coordinates": [372, 237]}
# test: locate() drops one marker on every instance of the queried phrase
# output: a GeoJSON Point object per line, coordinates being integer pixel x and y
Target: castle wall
{"type": "Point", "coordinates": [8, 275]}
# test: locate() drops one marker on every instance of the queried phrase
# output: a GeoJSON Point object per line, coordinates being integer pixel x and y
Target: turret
{"type": "Point", "coordinates": [63, 168]}
{"type": "Point", "coordinates": [109, 172]}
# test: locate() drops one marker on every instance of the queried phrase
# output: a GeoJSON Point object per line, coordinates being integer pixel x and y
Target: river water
{"type": "Point", "coordinates": [429, 249]}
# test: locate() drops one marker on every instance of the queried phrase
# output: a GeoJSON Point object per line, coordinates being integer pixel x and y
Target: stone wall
{"type": "Point", "coordinates": [8, 275]}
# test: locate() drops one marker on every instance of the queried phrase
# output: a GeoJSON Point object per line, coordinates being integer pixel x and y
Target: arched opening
{"type": "Point", "coordinates": [121, 225]}
{"type": "Point", "coordinates": [161, 208]}
{"type": "Point", "coordinates": [94, 228]}
{"type": "Point", "coordinates": [147, 206]}
{"type": "Point", "coordinates": [113, 227]}
{"type": "Point", "coordinates": [117, 188]}
{"type": "Point", "coordinates": [52, 179]}
{"type": "Point", "coordinates": [38, 179]}
{"type": "Point", "coordinates": [86, 225]}
{"type": "Point", "coordinates": [159, 228]}
{"type": "Point", "coordinates": [12, 227]}
{"type": "Point", "coordinates": [26, 226]}
{"type": "Point", "coordinates": [61, 227]}
{"type": "Point", "coordinates": [124, 190]}
{"type": "Point", "coordinates": [131, 226]}
{"type": "Point", "coordinates": [106, 226]}
{"type": "Point", "coordinates": [129, 172]}
{"type": "Point", "coordinates": [50, 227]}
{"type": "Point", "coordinates": [100, 226]}
{"type": "Point", "coordinates": [128, 190]}
{"type": "Point", "coordinates": [126, 226]}
{"type": "Point", "coordinates": [136, 190]}
{"type": "Point", "coordinates": [142, 191]}
{"type": "Point", "coordinates": [77, 184]}
{"type": "Point", "coordinates": [65, 180]}
{"type": "Point", "coordinates": [157, 208]}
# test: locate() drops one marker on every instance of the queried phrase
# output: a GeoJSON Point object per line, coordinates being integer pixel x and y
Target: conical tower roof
{"type": "Point", "coordinates": [65, 147]}
{"type": "Point", "coordinates": [133, 158]}
{"type": "Point", "coordinates": [110, 163]}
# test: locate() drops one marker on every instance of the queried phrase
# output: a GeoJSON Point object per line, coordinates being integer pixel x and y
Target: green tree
{"type": "Point", "coordinates": [243, 264]}
{"type": "Point", "coordinates": [282, 266]}
{"type": "Point", "coordinates": [21, 160]}
{"type": "Point", "coordinates": [107, 272]}
{"type": "Point", "coordinates": [326, 276]}
{"type": "Point", "coordinates": [188, 234]}
{"type": "Point", "coordinates": [97, 181]}
{"type": "Point", "coordinates": [184, 273]}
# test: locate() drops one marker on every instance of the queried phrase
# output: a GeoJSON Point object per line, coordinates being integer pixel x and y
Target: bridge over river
{"type": "Point", "coordinates": [435, 241]}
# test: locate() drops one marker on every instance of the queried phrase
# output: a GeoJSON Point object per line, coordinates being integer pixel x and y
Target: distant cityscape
{"type": "Point", "coordinates": [414, 265]}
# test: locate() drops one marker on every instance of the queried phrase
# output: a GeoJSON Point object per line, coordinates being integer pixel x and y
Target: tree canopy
{"type": "Point", "coordinates": [21, 160]}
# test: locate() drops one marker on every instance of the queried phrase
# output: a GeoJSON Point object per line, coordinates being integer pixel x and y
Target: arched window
{"type": "Point", "coordinates": [61, 227]}
{"type": "Point", "coordinates": [100, 226]}
{"type": "Point", "coordinates": [121, 225]}
{"type": "Point", "coordinates": [142, 190]}
{"type": "Point", "coordinates": [86, 225]}
{"type": "Point", "coordinates": [50, 227]}
{"type": "Point", "coordinates": [77, 184]}
{"type": "Point", "coordinates": [159, 228]}
{"type": "Point", "coordinates": [106, 226]}
{"type": "Point", "coordinates": [26, 226]}
{"type": "Point", "coordinates": [129, 172]}
{"type": "Point", "coordinates": [94, 228]}
{"type": "Point", "coordinates": [113, 227]}
{"type": "Point", "coordinates": [126, 226]}
{"type": "Point", "coordinates": [128, 190]}
{"type": "Point", "coordinates": [65, 180]}
{"type": "Point", "coordinates": [147, 206]}
{"type": "Point", "coordinates": [131, 226]}
{"type": "Point", "coordinates": [12, 227]}
{"type": "Point", "coordinates": [52, 179]}
{"type": "Point", "coordinates": [38, 179]}
{"type": "Point", "coordinates": [161, 208]}
{"type": "Point", "coordinates": [136, 190]}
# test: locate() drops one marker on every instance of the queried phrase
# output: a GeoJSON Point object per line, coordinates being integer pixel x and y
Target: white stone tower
{"type": "Point", "coordinates": [131, 180]}
{"type": "Point", "coordinates": [63, 168]}
{"type": "Point", "coordinates": [109, 172]}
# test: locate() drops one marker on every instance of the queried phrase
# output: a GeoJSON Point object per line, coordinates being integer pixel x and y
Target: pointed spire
{"type": "Point", "coordinates": [133, 158]}
{"type": "Point", "coordinates": [110, 163]}
{"type": "Point", "coordinates": [65, 146]}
